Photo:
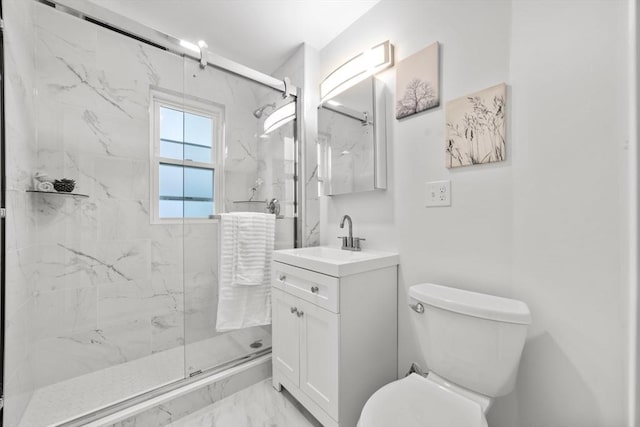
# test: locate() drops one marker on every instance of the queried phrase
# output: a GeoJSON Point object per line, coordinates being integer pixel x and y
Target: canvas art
{"type": "Point", "coordinates": [476, 128]}
{"type": "Point", "coordinates": [418, 82]}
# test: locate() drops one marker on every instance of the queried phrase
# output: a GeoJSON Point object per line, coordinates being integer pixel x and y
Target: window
{"type": "Point", "coordinates": [186, 137]}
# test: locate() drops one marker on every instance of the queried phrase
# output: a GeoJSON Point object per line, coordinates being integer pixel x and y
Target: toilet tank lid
{"type": "Point", "coordinates": [472, 303]}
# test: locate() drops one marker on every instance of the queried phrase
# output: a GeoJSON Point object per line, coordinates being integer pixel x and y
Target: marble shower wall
{"type": "Point", "coordinates": [110, 287]}
{"type": "Point", "coordinates": [277, 170]}
{"type": "Point", "coordinates": [21, 239]}
{"type": "Point", "coordinates": [300, 68]}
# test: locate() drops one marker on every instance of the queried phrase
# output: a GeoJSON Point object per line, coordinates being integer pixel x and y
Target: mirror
{"type": "Point", "coordinates": [352, 150]}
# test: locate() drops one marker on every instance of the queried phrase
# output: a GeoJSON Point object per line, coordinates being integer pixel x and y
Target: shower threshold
{"type": "Point", "coordinates": [87, 396]}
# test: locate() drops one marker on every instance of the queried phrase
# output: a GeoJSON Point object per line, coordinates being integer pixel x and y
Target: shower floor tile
{"type": "Point", "coordinates": [256, 406]}
{"type": "Point", "coordinates": [64, 401]}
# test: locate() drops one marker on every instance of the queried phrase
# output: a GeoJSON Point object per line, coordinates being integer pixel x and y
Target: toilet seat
{"type": "Point", "coordinates": [415, 401]}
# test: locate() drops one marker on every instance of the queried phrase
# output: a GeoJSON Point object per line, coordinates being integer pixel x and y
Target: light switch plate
{"type": "Point", "coordinates": [438, 193]}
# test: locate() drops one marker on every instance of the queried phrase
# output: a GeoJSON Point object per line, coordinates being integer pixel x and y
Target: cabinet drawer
{"type": "Point", "coordinates": [316, 288]}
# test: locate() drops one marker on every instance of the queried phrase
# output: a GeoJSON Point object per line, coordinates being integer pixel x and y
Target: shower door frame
{"type": "Point", "coordinates": [110, 20]}
{"type": "Point", "coordinates": [106, 18]}
{"type": "Point", "coordinates": [3, 215]}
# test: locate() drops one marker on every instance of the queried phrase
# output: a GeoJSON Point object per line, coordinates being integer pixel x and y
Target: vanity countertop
{"type": "Point", "coordinates": [334, 261]}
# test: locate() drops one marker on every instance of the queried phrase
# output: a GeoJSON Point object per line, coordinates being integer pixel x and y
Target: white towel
{"type": "Point", "coordinates": [244, 278]}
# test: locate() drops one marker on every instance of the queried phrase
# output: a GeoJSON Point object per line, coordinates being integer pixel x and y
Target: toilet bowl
{"type": "Point", "coordinates": [472, 344]}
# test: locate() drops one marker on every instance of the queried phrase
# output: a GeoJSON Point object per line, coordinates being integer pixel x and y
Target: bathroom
{"type": "Point", "coordinates": [109, 312]}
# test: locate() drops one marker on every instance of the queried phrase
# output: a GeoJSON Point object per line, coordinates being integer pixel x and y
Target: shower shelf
{"type": "Point", "coordinates": [249, 201]}
{"type": "Point", "coordinates": [60, 193]}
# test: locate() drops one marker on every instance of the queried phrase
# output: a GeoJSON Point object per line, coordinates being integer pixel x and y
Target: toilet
{"type": "Point", "coordinates": [472, 344]}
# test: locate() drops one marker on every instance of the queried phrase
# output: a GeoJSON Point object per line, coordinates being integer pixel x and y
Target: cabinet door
{"type": "Point", "coordinates": [286, 333]}
{"type": "Point", "coordinates": [319, 357]}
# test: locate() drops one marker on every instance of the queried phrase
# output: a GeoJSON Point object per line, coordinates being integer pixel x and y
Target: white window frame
{"type": "Point", "coordinates": [192, 105]}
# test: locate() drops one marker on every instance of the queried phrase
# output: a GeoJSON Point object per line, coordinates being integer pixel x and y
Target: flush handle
{"type": "Point", "coordinates": [315, 289]}
{"type": "Point", "coordinates": [418, 308]}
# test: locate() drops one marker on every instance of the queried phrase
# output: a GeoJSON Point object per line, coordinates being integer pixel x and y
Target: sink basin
{"type": "Point", "coordinates": [335, 262]}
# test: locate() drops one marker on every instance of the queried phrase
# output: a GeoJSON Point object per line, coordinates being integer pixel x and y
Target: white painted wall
{"type": "Point", "coordinates": [547, 226]}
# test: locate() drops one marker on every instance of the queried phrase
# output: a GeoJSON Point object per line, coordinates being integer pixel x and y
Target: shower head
{"type": "Point", "coordinates": [258, 113]}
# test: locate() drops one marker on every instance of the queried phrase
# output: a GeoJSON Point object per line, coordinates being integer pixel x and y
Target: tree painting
{"type": "Point", "coordinates": [417, 82]}
{"type": "Point", "coordinates": [476, 128]}
{"type": "Point", "coordinates": [418, 96]}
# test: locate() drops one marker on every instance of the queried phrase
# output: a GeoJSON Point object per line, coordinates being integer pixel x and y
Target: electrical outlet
{"type": "Point", "coordinates": [438, 193]}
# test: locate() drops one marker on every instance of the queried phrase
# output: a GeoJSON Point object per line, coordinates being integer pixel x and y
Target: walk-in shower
{"type": "Point", "coordinates": [111, 290]}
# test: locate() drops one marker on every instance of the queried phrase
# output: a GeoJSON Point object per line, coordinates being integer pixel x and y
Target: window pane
{"type": "Point", "coordinates": [171, 124]}
{"type": "Point", "coordinates": [171, 150]}
{"type": "Point", "coordinates": [171, 208]}
{"type": "Point", "coordinates": [198, 183]}
{"type": "Point", "coordinates": [170, 180]}
{"type": "Point", "coordinates": [198, 129]}
{"type": "Point", "coordinates": [197, 154]}
{"type": "Point", "coordinates": [197, 209]}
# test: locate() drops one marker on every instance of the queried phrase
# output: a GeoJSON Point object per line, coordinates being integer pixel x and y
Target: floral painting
{"type": "Point", "coordinates": [476, 128]}
{"type": "Point", "coordinates": [418, 82]}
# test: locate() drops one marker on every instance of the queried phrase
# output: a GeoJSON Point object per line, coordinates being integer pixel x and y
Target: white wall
{"type": "Point", "coordinates": [547, 226]}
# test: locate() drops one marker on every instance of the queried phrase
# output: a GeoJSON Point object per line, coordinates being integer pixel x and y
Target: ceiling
{"type": "Point", "coordinates": [261, 34]}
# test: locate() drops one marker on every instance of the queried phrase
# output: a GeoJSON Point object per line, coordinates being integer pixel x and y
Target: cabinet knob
{"type": "Point", "coordinates": [300, 313]}
{"type": "Point", "coordinates": [315, 289]}
{"type": "Point", "coordinates": [294, 309]}
{"type": "Point", "coordinates": [282, 277]}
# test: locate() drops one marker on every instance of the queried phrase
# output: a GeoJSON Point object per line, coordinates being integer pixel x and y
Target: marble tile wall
{"type": "Point", "coordinates": [311, 102]}
{"type": "Point", "coordinates": [109, 287]}
{"type": "Point", "coordinates": [300, 69]}
{"type": "Point", "coordinates": [21, 239]}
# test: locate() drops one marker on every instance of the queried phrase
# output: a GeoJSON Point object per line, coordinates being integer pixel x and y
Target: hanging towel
{"type": "Point", "coordinates": [244, 278]}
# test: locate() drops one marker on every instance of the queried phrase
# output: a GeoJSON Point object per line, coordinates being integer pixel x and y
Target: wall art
{"type": "Point", "coordinates": [476, 128]}
{"type": "Point", "coordinates": [418, 82]}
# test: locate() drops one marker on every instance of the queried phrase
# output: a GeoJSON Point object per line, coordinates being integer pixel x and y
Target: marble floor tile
{"type": "Point", "coordinates": [257, 406]}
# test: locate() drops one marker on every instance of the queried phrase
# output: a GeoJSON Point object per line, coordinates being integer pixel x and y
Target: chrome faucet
{"type": "Point", "coordinates": [350, 243]}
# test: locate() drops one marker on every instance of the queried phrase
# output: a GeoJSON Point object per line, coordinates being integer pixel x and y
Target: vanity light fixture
{"type": "Point", "coordinates": [357, 69]}
{"type": "Point", "coordinates": [280, 116]}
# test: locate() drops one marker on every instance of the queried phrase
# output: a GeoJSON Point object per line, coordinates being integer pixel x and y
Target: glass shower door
{"type": "Point", "coordinates": [106, 319]}
{"type": "Point", "coordinates": [252, 170]}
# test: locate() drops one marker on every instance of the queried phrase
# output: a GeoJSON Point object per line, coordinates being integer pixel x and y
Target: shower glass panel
{"type": "Point", "coordinates": [113, 292]}
{"type": "Point", "coordinates": [254, 168]}
{"type": "Point", "coordinates": [108, 287]}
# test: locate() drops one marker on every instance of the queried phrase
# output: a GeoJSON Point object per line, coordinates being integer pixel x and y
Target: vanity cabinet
{"type": "Point", "coordinates": [334, 338]}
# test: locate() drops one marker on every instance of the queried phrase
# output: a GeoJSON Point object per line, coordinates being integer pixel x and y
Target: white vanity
{"type": "Point", "coordinates": [334, 328]}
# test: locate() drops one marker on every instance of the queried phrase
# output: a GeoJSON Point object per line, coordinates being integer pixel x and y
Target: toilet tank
{"type": "Point", "coordinates": [471, 339]}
